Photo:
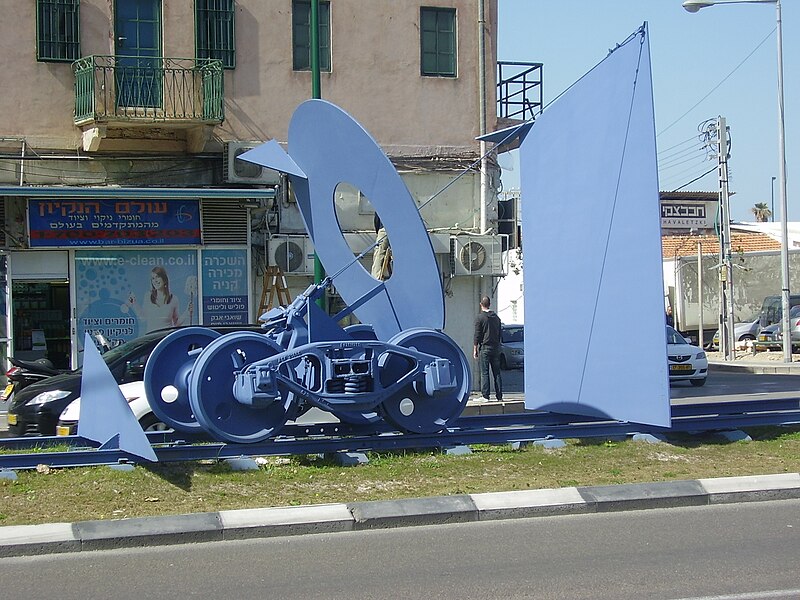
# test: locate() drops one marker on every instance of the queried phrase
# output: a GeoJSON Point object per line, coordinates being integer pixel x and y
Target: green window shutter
{"type": "Point", "coordinates": [301, 35]}
{"type": "Point", "coordinates": [57, 30]}
{"type": "Point", "coordinates": [214, 35]}
{"type": "Point", "coordinates": [438, 42]}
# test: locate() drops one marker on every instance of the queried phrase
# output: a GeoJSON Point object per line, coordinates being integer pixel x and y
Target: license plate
{"type": "Point", "coordinates": [62, 430]}
{"type": "Point", "coordinates": [7, 392]}
{"type": "Point", "coordinates": [681, 368]}
{"type": "Point", "coordinates": [12, 419]}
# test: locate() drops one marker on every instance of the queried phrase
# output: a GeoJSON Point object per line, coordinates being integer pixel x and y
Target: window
{"type": "Point", "coordinates": [438, 41]}
{"type": "Point", "coordinates": [301, 35]}
{"type": "Point", "coordinates": [57, 32]}
{"type": "Point", "coordinates": [214, 35]}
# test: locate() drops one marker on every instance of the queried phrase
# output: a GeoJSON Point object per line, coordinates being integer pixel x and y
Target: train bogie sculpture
{"type": "Point", "coordinates": [397, 365]}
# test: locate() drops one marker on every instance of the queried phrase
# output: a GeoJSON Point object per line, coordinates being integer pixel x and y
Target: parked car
{"type": "Point", "coordinates": [140, 407]}
{"type": "Point", "coordinates": [35, 410]}
{"type": "Point", "coordinates": [771, 337]}
{"type": "Point", "coordinates": [512, 351]}
{"type": "Point", "coordinates": [742, 332]}
{"type": "Point", "coordinates": [686, 361]}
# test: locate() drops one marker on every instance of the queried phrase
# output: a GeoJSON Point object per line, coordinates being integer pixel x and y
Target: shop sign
{"type": "Point", "coordinates": [113, 222]}
{"type": "Point", "coordinates": [225, 287]}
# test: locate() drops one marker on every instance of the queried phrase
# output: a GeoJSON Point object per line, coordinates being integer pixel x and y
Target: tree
{"type": "Point", "coordinates": [761, 212]}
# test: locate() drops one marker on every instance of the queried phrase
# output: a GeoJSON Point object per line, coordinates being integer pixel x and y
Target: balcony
{"type": "Point", "coordinates": [519, 92]}
{"type": "Point", "coordinates": [174, 98]}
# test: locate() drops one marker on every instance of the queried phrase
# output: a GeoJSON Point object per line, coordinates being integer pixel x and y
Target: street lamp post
{"type": "Point", "coordinates": [693, 6]}
{"type": "Point", "coordinates": [772, 199]}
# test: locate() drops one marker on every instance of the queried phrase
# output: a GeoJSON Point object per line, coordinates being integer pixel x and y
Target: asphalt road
{"type": "Point", "coordinates": [720, 552]}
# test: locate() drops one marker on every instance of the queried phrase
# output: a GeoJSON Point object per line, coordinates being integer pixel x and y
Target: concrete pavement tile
{"type": "Point", "coordinates": [24, 540]}
{"type": "Point", "coordinates": [413, 511]}
{"type": "Point", "coordinates": [288, 520]}
{"type": "Point", "coordinates": [529, 503]}
{"type": "Point", "coordinates": [635, 496]}
{"type": "Point", "coordinates": [723, 490]}
{"type": "Point", "coordinates": [149, 531]}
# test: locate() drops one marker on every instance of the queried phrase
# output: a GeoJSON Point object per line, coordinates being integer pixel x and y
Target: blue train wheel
{"type": "Point", "coordinates": [412, 409]}
{"type": "Point", "coordinates": [211, 390]}
{"type": "Point", "coordinates": [166, 376]}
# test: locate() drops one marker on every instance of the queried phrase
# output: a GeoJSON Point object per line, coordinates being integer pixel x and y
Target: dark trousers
{"type": "Point", "coordinates": [490, 356]}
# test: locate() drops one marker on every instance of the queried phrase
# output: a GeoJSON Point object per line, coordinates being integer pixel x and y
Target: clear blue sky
{"type": "Point", "coordinates": [691, 55]}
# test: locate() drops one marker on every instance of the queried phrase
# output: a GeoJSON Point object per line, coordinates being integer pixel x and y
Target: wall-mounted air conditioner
{"type": "Point", "coordinates": [476, 255]}
{"type": "Point", "coordinates": [294, 254]}
{"type": "Point", "coordinates": [241, 171]}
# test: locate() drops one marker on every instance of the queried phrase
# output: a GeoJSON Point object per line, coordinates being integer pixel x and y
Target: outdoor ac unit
{"type": "Point", "coordinates": [294, 254]}
{"type": "Point", "coordinates": [241, 171]}
{"type": "Point", "coordinates": [476, 255]}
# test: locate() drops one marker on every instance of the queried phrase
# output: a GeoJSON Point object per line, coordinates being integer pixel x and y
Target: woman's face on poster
{"type": "Point", "coordinates": [156, 281]}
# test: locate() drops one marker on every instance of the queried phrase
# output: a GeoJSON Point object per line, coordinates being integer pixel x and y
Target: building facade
{"type": "Point", "coordinates": [121, 121]}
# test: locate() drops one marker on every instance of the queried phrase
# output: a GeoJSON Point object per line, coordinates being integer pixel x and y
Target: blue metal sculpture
{"type": "Point", "coordinates": [398, 365]}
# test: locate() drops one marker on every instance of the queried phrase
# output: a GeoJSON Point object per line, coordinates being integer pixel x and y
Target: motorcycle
{"type": "Point", "coordinates": [25, 372]}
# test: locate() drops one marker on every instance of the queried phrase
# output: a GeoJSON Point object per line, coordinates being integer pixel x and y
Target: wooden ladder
{"type": "Point", "coordinates": [274, 289]}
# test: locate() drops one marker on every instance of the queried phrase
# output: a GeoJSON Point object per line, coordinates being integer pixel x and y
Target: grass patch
{"type": "Point", "coordinates": [86, 493]}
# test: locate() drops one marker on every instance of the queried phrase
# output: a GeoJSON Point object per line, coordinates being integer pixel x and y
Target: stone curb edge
{"type": "Point", "coordinates": [25, 540]}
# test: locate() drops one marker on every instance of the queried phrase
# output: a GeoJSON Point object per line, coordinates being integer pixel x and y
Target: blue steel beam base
{"type": "Point", "coordinates": [491, 429]}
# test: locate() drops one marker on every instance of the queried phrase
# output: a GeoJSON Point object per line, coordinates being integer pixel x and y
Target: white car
{"type": "Point", "coordinates": [134, 394]}
{"type": "Point", "coordinates": [686, 361]}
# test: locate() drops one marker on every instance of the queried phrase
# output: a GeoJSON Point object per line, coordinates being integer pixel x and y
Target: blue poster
{"type": "Point", "coordinates": [124, 294]}
{"type": "Point", "coordinates": [225, 300]}
{"type": "Point", "coordinates": [113, 222]}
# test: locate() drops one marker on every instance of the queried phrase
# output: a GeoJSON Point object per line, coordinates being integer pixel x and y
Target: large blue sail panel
{"type": "Point", "coordinates": [591, 225]}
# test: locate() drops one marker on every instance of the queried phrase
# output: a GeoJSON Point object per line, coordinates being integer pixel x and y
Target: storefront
{"type": "Point", "coordinates": [121, 263]}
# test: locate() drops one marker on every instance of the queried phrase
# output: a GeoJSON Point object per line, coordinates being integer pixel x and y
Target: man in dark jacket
{"type": "Point", "coordinates": [486, 348]}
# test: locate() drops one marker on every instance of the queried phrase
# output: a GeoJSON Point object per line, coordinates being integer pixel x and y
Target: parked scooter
{"type": "Point", "coordinates": [25, 372]}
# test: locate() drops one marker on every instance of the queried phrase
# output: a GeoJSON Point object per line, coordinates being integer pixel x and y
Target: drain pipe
{"type": "Point", "coordinates": [22, 165]}
{"type": "Point", "coordinates": [482, 115]}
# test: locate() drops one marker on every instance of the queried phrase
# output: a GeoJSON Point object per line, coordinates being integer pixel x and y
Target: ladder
{"type": "Point", "coordinates": [273, 289]}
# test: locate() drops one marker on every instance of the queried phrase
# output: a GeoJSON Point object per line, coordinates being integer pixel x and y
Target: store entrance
{"type": "Point", "coordinates": [41, 312]}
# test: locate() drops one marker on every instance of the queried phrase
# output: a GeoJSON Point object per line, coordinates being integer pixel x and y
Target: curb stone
{"type": "Point", "coordinates": [25, 540]}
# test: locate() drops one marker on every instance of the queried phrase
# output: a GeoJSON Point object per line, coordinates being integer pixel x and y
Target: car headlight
{"type": "Point", "coordinates": [700, 355]}
{"type": "Point", "coordinates": [50, 396]}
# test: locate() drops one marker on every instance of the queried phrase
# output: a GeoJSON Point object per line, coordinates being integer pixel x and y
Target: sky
{"type": "Point", "coordinates": [720, 61]}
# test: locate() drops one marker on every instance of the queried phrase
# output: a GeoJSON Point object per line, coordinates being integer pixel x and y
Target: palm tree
{"type": "Point", "coordinates": [761, 212]}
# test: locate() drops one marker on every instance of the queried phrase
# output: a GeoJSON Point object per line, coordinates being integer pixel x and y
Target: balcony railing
{"type": "Point", "coordinates": [111, 89]}
{"type": "Point", "coordinates": [519, 90]}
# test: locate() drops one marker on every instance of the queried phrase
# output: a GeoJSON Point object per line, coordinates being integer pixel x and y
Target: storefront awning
{"type": "Point", "coordinates": [152, 193]}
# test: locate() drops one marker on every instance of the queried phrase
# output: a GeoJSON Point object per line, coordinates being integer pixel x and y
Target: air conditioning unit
{"type": "Point", "coordinates": [294, 254]}
{"type": "Point", "coordinates": [241, 171]}
{"type": "Point", "coordinates": [476, 255]}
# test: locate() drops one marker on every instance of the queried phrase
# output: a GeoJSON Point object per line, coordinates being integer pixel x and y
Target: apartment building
{"type": "Point", "coordinates": [121, 120]}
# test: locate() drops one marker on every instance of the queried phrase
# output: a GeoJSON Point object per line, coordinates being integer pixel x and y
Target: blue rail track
{"type": "Point", "coordinates": [29, 452]}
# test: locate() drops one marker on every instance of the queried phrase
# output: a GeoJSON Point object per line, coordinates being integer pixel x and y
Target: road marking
{"type": "Point", "coordinates": [749, 596]}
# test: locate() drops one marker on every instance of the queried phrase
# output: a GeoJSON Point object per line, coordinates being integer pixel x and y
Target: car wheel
{"type": "Point", "coordinates": [747, 338]}
{"type": "Point", "coordinates": [150, 422]}
{"type": "Point", "coordinates": [698, 382]}
{"type": "Point", "coordinates": [503, 363]}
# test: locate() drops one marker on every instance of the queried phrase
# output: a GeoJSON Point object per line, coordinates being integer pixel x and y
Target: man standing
{"type": "Point", "coordinates": [487, 348]}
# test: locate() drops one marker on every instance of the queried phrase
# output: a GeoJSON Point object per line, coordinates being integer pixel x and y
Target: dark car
{"type": "Point", "coordinates": [512, 347]}
{"type": "Point", "coordinates": [771, 336]}
{"type": "Point", "coordinates": [35, 410]}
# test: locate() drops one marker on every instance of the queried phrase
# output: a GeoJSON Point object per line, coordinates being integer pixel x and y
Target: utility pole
{"type": "Point", "coordinates": [725, 267]}
{"type": "Point", "coordinates": [316, 93]}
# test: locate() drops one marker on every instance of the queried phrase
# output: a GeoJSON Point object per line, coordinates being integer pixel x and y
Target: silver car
{"type": "Point", "coordinates": [742, 332]}
{"type": "Point", "coordinates": [512, 347]}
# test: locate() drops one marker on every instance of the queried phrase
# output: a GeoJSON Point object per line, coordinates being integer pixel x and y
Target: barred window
{"type": "Point", "coordinates": [57, 31]}
{"type": "Point", "coordinates": [438, 41]}
{"type": "Point", "coordinates": [301, 35]}
{"type": "Point", "coordinates": [215, 31]}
